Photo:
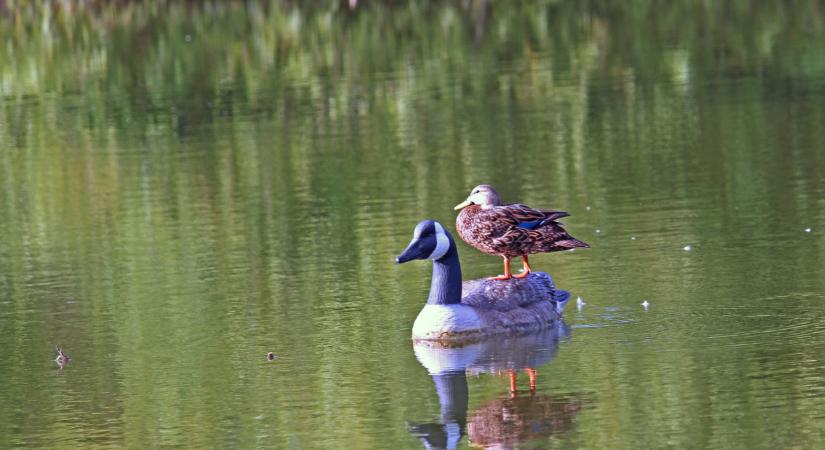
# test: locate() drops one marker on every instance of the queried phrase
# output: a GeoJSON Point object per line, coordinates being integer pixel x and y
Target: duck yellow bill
{"type": "Point", "coordinates": [463, 204]}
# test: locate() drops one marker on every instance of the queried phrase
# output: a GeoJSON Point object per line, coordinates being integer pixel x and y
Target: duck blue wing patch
{"type": "Point", "coordinates": [530, 225]}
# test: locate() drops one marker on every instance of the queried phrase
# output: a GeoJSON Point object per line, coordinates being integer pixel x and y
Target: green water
{"type": "Point", "coordinates": [184, 188]}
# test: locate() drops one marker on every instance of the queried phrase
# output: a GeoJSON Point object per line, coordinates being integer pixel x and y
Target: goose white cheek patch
{"type": "Point", "coordinates": [442, 242]}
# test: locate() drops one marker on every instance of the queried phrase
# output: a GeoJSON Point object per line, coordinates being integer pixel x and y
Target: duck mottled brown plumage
{"type": "Point", "coordinates": [511, 230]}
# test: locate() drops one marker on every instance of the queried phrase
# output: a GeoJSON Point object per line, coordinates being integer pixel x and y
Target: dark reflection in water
{"type": "Point", "coordinates": [504, 421]}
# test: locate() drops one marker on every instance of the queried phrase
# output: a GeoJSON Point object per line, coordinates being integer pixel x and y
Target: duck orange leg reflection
{"type": "Point", "coordinates": [526, 270]}
{"type": "Point", "coordinates": [532, 374]}
{"type": "Point", "coordinates": [507, 273]}
{"type": "Point", "coordinates": [513, 376]}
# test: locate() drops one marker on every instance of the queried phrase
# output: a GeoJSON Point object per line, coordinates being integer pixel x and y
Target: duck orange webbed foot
{"type": "Point", "coordinates": [507, 274]}
{"type": "Point", "coordinates": [526, 271]}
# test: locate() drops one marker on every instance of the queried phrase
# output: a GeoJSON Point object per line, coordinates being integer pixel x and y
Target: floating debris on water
{"type": "Point", "coordinates": [687, 248]}
{"type": "Point", "coordinates": [598, 230]}
{"type": "Point", "coordinates": [587, 208]}
{"type": "Point", "coordinates": [270, 356]}
{"type": "Point", "coordinates": [645, 305]}
{"type": "Point", "coordinates": [62, 358]}
{"type": "Point", "coordinates": [808, 230]}
{"type": "Point", "coordinates": [580, 303]}
{"type": "Point", "coordinates": [632, 238]}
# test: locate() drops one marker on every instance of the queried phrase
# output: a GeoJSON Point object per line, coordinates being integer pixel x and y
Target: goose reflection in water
{"type": "Point", "coordinates": [504, 421]}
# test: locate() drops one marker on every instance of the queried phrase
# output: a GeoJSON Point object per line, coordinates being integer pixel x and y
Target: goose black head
{"type": "Point", "coordinates": [430, 241]}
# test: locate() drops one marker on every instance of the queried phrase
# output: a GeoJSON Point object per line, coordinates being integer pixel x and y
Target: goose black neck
{"type": "Point", "coordinates": [446, 284]}
{"type": "Point", "coordinates": [453, 396]}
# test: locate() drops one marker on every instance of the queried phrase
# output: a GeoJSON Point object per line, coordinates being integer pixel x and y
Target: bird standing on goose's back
{"type": "Point", "coordinates": [511, 230]}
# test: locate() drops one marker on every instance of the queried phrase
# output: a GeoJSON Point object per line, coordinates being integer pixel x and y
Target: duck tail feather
{"type": "Point", "coordinates": [554, 215]}
{"type": "Point", "coordinates": [572, 243]}
{"type": "Point", "coordinates": [561, 297]}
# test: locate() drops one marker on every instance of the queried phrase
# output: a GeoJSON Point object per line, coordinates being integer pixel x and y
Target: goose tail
{"type": "Point", "coordinates": [560, 298]}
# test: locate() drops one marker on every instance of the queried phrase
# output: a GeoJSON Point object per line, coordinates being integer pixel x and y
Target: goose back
{"type": "Point", "coordinates": [503, 296]}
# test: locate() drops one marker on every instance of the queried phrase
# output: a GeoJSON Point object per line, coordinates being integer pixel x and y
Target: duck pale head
{"type": "Point", "coordinates": [483, 195]}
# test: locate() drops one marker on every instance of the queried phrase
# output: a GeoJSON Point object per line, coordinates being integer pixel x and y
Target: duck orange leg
{"type": "Point", "coordinates": [507, 273]}
{"type": "Point", "coordinates": [527, 268]}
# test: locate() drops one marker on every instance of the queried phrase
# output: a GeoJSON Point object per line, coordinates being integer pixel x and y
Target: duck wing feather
{"type": "Point", "coordinates": [516, 214]}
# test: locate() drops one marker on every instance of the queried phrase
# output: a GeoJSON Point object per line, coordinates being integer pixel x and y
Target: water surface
{"type": "Point", "coordinates": [186, 188]}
